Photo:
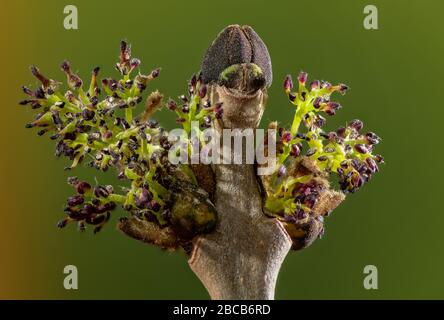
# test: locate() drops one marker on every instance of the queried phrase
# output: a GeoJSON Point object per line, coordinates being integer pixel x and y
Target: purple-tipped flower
{"type": "Point", "coordinates": [75, 200]}
{"type": "Point", "coordinates": [81, 226]}
{"type": "Point", "coordinates": [192, 84]}
{"type": "Point", "coordinates": [315, 85]}
{"type": "Point", "coordinates": [125, 52]}
{"type": "Point", "coordinates": [331, 107]}
{"type": "Point", "coordinates": [372, 138]}
{"type": "Point", "coordinates": [36, 73]}
{"type": "Point", "coordinates": [105, 82]}
{"type": "Point", "coordinates": [129, 83]}
{"type": "Point", "coordinates": [25, 102]}
{"type": "Point", "coordinates": [319, 121]}
{"type": "Point", "coordinates": [356, 125]}
{"type": "Point", "coordinates": [302, 78]}
{"type": "Point", "coordinates": [125, 124]}
{"type": "Point", "coordinates": [185, 108]}
{"type": "Point", "coordinates": [290, 218]}
{"type": "Point", "coordinates": [74, 80]}
{"type": "Point", "coordinates": [207, 121]}
{"type": "Point", "coordinates": [218, 106]}
{"type": "Point", "coordinates": [202, 91]}
{"type": "Point", "coordinates": [88, 114]}
{"type": "Point", "coordinates": [94, 101]}
{"type": "Point", "coordinates": [56, 119]}
{"type": "Point", "coordinates": [288, 83]}
{"type": "Point", "coordinates": [109, 188]}
{"type": "Point", "coordinates": [65, 66]}
{"type": "Point", "coordinates": [300, 214]}
{"type": "Point", "coordinates": [123, 66]}
{"type": "Point", "coordinates": [326, 84]}
{"type": "Point", "coordinates": [207, 104]}
{"type": "Point", "coordinates": [343, 88]}
{"type": "Point", "coordinates": [62, 223]}
{"type": "Point", "coordinates": [341, 132]}
{"type": "Point", "coordinates": [154, 206]}
{"type": "Point", "coordinates": [134, 63]}
{"type": "Point", "coordinates": [311, 152]}
{"type": "Point", "coordinates": [155, 73]}
{"type": "Point", "coordinates": [171, 105]}
{"type": "Point", "coordinates": [39, 93]}
{"type": "Point", "coordinates": [295, 150]}
{"type": "Point", "coordinates": [142, 201]}
{"type": "Point", "coordinates": [379, 158]}
{"type": "Point", "coordinates": [27, 91]}
{"type": "Point", "coordinates": [317, 102]}
{"type": "Point", "coordinates": [282, 171]}
{"type": "Point", "coordinates": [82, 187]}
{"type": "Point", "coordinates": [371, 164]}
{"type": "Point", "coordinates": [219, 114]}
{"type": "Point", "coordinates": [107, 135]}
{"type": "Point", "coordinates": [95, 71]}
{"type": "Point", "coordinates": [286, 137]}
{"type": "Point", "coordinates": [361, 148]}
{"type": "Point", "coordinates": [88, 209]}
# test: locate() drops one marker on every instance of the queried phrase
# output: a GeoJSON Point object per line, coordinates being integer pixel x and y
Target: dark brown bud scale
{"type": "Point", "coordinates": [236, 45]}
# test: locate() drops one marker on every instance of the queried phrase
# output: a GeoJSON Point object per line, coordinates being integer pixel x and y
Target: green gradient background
{"type": "Point", "coordinates": [396, 79]}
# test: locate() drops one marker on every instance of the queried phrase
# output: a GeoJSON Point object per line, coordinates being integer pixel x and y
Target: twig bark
{"type": "Point", "coordinates": [242, 258]}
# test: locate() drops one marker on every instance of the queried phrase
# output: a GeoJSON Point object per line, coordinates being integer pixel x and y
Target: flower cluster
{"type": "Point", "coordinates": [294, 195]}
{"type": "Point", "coordinates": [98, 123]}
{"type": "Point", "coordinates": [90, 205]}
{"type": "Point", "coordinates": [195, 113]}
{"type": "Point", "coordinates": [196, 106]}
